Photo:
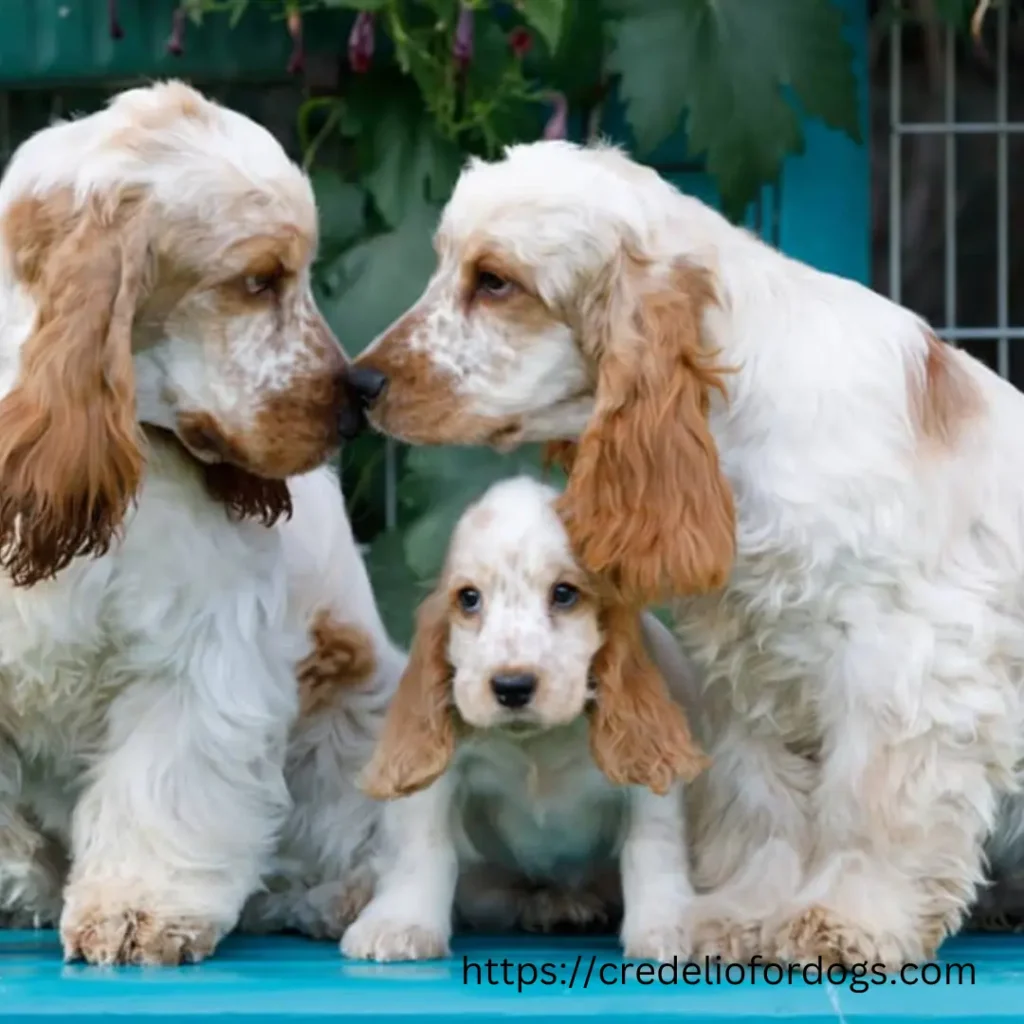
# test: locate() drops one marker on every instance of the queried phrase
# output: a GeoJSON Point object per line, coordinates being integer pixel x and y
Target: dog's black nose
{"type": "Point", "coordinates": [514, 689]}
{"type": "Point", "coordinates": [367, 384]}
{"type": "Point", "coordinates": [351, 421]}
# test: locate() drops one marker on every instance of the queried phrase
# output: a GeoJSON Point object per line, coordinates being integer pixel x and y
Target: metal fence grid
{"type": "Point", "coordinates": [953, 125]}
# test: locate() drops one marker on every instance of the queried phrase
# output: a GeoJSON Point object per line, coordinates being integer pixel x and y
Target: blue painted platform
{"type": "Point", "coordinates": [292, 979]}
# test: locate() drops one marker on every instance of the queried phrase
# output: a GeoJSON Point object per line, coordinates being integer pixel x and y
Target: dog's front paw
{"type": "Point", "coordinates": [384, 939]}
{"type": "Point", "coordinates": [663, 943]}
{"type": "Point", "coordinates": [726, 939]}
{"type": "Point", "coordinates": [820, 932]}
{"type": "Point", "coordinates": [108, 935]}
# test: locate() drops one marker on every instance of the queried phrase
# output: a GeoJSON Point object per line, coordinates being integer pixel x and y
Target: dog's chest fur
{"type": "Point", "coordinates": [538, 806]}
{"type": "Point", "coordinates": [69, 647]}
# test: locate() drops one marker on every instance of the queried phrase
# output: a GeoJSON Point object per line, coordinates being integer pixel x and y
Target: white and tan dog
{"type": "Point", "coordinates": [533, 756]}
{"type": "Point", "coordinates": [836, 496]}
{"type": "Point", "coordinates": [167, 388]}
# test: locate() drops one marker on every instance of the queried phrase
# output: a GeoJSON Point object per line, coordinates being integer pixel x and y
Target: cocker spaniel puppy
{"type": "Point", "coordinates": [533, 752]}
{"type": "Point", "coordinates": [834, 495]}
{"type": "Point", "coordinates": [164, 372]}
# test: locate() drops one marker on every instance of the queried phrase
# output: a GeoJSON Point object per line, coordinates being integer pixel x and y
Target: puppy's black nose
{"type": "Point", "coordinates": [514, 689]}
{"type": "Point", "coordinates": [367, 384]}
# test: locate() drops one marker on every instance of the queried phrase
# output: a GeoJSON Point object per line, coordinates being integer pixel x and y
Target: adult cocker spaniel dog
{"type": "Point", "coordinates": [834, 496]}
{"type": "Point", "coordinates": [167, 390]}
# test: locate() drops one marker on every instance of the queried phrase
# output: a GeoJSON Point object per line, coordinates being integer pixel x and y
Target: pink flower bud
{"type": "Point", "coordinates": [297, 60]}
{"type": "Point", "coordinates": [360, 43]}
{"type": "Point", "coordinates": [462, 47]}
{"type": "Point", "coordinates": [176, 43]}
{"type": "Point", "coordinates": [558, 124]}
{"type": "Point", "coordinates": [116, 32]}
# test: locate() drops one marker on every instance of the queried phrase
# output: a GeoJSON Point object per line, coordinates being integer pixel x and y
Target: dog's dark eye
{"type": "Point", "coordinates": [492, 285]}
{"type": "Point", "coordinates": [564, 595]}
{"type": "Point", "coordinates": [469, 600]}
{"type": "Point", "coordinates": [260, 284]}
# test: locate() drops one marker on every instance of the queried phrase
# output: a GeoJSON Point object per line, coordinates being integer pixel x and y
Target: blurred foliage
{"type": "Point", "coordinates": [421, 84]}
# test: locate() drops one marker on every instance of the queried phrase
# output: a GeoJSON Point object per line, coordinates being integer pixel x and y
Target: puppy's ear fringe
{"type": "Point", "coordinates": [418, 738]}
{"type": "Point", "coordinates": [638, 734]}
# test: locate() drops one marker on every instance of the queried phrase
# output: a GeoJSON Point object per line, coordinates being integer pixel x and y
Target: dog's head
{"type": "Point", "coordinates": [560, 309]}
{"type": "Point", "coordinates": [157, 258]}
{"type": "Point", "coordinates": [518, 637]}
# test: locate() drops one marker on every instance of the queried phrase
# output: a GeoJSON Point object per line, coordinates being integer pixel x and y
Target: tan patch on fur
{"type": "Point", "coordinates": [418, 738]}
{"type": "Point", "coordinates": [342, 656]}
{"type": "Point", "coordinates": [70, 448]}
{"type": "Point", "coordinates": [638, 734]}
{"type": "Point", "coordinates": [419, 405]}
{"type": "Point", "coordinates": [945, 400]}
{"type": "Point", "coordinates": [646, 504]}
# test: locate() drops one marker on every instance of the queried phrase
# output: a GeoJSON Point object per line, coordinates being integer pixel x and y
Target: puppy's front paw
{"type": "Point", "coordinates": [114, 935]}
{"type": "Point", "coordinates": [384, 939]}
{"type": "Point", "coordinates": [550, 909]}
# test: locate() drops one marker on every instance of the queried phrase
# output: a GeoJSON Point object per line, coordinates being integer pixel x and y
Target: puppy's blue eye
{"type": "Point", "coordinates": [564, 595]}
{"type": "Point", "coordinates": [470, 600]}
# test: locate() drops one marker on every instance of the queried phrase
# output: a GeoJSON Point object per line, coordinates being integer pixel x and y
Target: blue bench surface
{"type": "Point", "coordinates": [293, 979]}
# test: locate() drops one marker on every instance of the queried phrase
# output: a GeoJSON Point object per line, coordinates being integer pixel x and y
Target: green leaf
{"type": "Point", "coordinates": [395, 588]}
{"type": "Point", "coordinates": [727, 63]}
{"type": "Point", "coordinates": [407, 160]}
{"type": "Point", "coordinates": [376, 280]}
{"type": "Point", "coordinates": [547, 17]}
{"type": "Point", "coordinates": [341, 209]}
{"type": "Point", "coordinates": [426, 540]}
{"type": "Point", "coordinates": [577, 70]}
{"type": "Point", "coordinates": [237, 9]}
{"type": "Point", "coordinates": [955, 12]}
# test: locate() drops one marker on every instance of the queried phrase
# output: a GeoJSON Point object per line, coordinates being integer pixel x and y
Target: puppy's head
{"type": "Point", "coordinates": [518, 638]}
{"type": "Point", "coordinates": [568, 303]}
{"type": "Point", "coordinates": [158, 258]}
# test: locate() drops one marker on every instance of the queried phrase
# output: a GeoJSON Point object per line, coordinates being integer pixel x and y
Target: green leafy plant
{"type": "Point", "coordinates": [422, 84]}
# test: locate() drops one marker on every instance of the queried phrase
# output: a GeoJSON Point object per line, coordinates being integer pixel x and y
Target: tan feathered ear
{"type": "Point", "coordinates": [646, 504]}
{"type": "Point", "coordinates": [70, 446]}
{"type": "Point", "coordinates": [638, 734]}
{"type": "Point", "coordinates": [418, 738]}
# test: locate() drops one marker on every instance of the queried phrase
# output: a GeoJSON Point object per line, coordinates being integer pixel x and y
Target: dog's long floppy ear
{"type": "Point", "coordinates": [638, 734]}
{"type": "Point", "coordinates": [646, 504]}
{"type": "Point", "coordinates": [418, 737]}
{"type": "Point", "coordinates": [70, 447]}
